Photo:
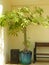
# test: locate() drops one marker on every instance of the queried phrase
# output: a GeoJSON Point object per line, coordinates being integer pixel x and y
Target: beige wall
{"type": "Point", "coordinates": [34, 33]}
{"type": "Point", "coordinates": [6, 7]}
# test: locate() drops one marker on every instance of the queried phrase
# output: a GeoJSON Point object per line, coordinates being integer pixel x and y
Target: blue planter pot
{"type": "Point", "coordinates": [25, 57]}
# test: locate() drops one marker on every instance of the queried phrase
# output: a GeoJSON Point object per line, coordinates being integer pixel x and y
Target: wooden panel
{"type": "Point", "coordinates": [42, 44]}
{"type": "Point", "coordinates": [15, 56]}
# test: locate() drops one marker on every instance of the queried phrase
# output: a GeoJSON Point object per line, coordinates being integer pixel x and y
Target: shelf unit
{"type": "Point", "coordinates": [41, 55]}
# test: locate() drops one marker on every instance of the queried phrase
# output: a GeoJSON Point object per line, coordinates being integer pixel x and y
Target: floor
{"type": "Point", "coordinates": [37, 63]}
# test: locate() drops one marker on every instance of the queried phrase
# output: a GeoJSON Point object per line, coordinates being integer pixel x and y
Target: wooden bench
{"type": "Point", "coordinates": [40, 55]}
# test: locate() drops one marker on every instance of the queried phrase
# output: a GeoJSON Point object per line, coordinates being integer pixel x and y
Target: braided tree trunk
{"type": "Point", "coordinates": [25, 40]}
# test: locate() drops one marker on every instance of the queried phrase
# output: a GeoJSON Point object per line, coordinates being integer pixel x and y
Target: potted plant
{"type": "Point", "coordinates": [18, 20]}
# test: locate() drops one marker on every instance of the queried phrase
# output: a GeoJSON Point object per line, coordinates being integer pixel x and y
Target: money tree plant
{"type": "Point", "coordinates": [18, 20]}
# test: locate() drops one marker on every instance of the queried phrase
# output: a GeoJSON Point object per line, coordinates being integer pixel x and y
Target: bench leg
{"type": "Point", "coordinates": [34, 55]}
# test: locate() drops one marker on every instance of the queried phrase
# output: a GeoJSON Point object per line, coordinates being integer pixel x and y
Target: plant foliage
{"type": "Point", "coordinates": [17, 20]}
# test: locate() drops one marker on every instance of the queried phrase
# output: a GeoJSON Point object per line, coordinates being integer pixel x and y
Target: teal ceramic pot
{"type": "Point", "coordinates": [25, 57]}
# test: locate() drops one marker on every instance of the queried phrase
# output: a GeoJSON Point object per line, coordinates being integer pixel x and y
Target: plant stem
{"type": "Point", "coordinates": [25, 39]}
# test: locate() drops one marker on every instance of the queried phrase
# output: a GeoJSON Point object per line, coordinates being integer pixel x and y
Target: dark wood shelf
{"type": "Point", "coordinates": [42, 53]}
{"type": "Point", "coordinates": [43, 61]}
{"type": "Point", "coordinates": [42, 57]}
{"type": "Point", "coordinates": [42, 44]}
